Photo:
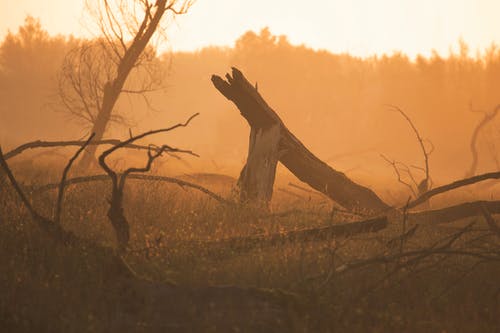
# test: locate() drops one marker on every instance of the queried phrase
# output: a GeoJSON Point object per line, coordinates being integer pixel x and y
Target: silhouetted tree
{"type": "Point", "coordinates": [95, 74]}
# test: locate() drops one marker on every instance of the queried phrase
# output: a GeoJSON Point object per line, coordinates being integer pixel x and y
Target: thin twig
{"type": "Point", "coordinates": [419, 138]}
{"type": "Point", "coordinates": [398, 174]}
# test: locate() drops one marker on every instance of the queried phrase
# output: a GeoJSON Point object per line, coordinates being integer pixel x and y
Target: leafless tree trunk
{"type": "Point", "coordinates": [125, 37]}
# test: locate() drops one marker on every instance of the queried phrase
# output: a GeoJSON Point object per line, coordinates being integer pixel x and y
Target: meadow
{"type": "Point", "coordinates": [186, 276]}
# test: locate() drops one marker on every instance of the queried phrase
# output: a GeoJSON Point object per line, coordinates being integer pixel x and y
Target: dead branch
{"type": "Point", "coordinates": [181, 183]}
{"type": "Point", "coordinates": [97, 72]}
{"type": "Point", "coordinates": [440, 247]}
{"type": "Point", "coordinates": [49, 144]}
{"type": "Point", "coordinates": [60, 195]}
{"type": "Point", "coordinates": [425, 153]}
{"type": "Point", "coordinates": [300, 161]}
{"type": "Point", "coordinates": [335, 208]}
{"type": "Point", "coordinates": [454, 213]}
{"type": "Point", "coordinates": [115, 211]}
{"type": "Point", "coordinates": [292, 153]}
{"type": "Point", "coordinates": [424, 185]}
{"type": "Point", "coordinates": [398, 174]}
{"type": "Point", "coordinates": [488, 117]}
{"type": "Point", "coordinates": [454, 185]}
{"type": "Point", "coordinates": [57, 233]}
{"type": "Point", "coordinates": [240, 245]}
{"type": "Point", "coordinates": [47, 225]}
{"type": "Point", "coordinates": [145, 134]}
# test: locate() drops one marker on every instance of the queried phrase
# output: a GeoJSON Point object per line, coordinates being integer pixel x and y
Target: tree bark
{"type": "Point", "coordinates": [292, 153]}
{"type": "Point", "coordinates": [128, 61]}
{"type": "Point", "coordinates": [257, 177]}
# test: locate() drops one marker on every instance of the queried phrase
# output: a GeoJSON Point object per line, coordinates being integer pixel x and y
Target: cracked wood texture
{"type": "Point", "coordinates": [292, 153]}
{"type": "Point", "coordinates": [257, 177]}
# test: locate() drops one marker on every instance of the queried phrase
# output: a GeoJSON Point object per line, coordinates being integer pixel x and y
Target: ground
{"type": "Point", "coordinates": [439, 279]}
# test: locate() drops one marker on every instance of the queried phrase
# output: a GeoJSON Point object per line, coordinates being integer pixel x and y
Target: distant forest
{"type": "Point", "coordinates": [335, 103]}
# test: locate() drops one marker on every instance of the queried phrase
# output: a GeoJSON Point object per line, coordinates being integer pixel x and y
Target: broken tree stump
{"type": "Point", "coordinates": [255, 180]}
{"type": "Point", "coordinates": [257, 177]}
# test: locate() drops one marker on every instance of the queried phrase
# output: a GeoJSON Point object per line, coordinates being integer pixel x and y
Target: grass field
{"type": "Point", "coordinates": [442, 278]}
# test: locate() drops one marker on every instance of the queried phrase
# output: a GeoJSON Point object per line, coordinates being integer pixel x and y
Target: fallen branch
{"type": "Point", "coordinates": [454, 213]}
{"type": "Point", "coordinates": [456, 184]}
{"type": "Point", "coordinates": [413, 255]}
{"type": "Point", "coordinates": [239, 245]}
{"type": "Point", "coordinates": [96, 178]}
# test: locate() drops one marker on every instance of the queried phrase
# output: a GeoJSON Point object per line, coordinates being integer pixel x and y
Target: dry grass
{"type": "Point", "coordinates": [309, 286]}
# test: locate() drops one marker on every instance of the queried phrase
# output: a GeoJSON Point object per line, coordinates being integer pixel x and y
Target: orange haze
{"type": "Point", "coordinates": [335, 103]}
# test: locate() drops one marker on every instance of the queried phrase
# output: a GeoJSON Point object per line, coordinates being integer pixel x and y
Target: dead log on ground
{"type": "Point", "coordinates": [240, 245]}
{"type": "Point", "coordinates": [291, 152]}
{"type": "Point", "coordinates": [454, 213]}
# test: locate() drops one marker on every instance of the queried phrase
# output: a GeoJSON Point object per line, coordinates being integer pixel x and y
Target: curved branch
{"type": "Point", "coordinates": [44, 223]}
{"type": "Point", "coordinates": [182, 183]}
{"type": "Point", "coordinates": [143, 135]}
{"type": "Point", "coordinates": [60, 195]}
{"type": "Point", "coordinates": [473, 141]}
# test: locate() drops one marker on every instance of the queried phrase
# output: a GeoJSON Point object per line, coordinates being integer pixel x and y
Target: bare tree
{"type": "Point", "coordinates": [115, 212]}
{"type": "Point", "coordinates": [97, 72]}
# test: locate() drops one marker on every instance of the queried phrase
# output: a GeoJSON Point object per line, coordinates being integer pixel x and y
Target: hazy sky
{"type": "Point", "coordinates": [361, 27]}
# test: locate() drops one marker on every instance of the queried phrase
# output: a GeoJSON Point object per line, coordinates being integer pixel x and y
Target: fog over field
{"type": "Point", "coordinates": [289, 171]}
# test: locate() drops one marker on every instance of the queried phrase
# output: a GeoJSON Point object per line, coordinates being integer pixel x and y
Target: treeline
{"type": "Point", "coordinates": [336, 103]}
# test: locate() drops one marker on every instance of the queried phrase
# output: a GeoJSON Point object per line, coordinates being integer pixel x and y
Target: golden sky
{"type": "Point", "coordinates": [360, 27]}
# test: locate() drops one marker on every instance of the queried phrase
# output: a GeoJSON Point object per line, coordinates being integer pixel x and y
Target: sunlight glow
{"type": "Point", "coordinates": [360, 27]}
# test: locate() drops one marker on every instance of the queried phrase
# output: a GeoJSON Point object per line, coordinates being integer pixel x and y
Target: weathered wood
{"type": "Point", "coordinates": [240, 245]}
{"type": "Point", "coordinates": [454, 213]}
{"type": "Point", "coordinates": [292, 153]}
{"type": "Point", "coordinates": [257, 177]}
